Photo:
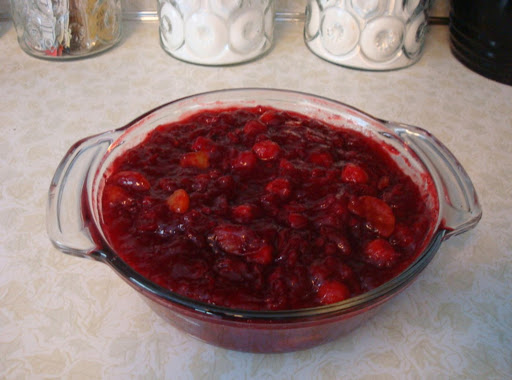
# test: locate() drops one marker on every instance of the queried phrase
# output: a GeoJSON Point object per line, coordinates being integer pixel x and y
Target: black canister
{"type": "Point", "coordinates": [481, 36]}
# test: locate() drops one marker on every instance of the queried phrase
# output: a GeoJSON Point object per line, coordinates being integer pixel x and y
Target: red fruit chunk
{"type": "Point", "coordinates": [203, 144]}
{"type": "Point", "coordinates": [226, 184]}
{"type": "Point", "coordinates": [198, 160]}
{"type": "Point", "coordinates": [262, 255]}
{"type": "Point", "coordinates": [383, 182]}
{"type": "Point", "coordinates": [380, 253]}
{"type": "Point", "coordinates": [321, 158]}
{"type": "Point", "coordinates": [403, 237]}
{"type": "Point", "coordinates": [327, 220]}
{"type": "Point", "coordinates": [167, 184]}
{"type": "Point", "coordinates": [266, 150]}
{"type": "Point", "coordinates": [280, 186]}
{"type": "Point", "coordinates": [297, 220]}
{"type": "Point", "coordinates": [116, 196]}
{"type": "Point", "coordinates": [289, 170]}
{"type": "Point", "coordinates": [332, 291]}
{"type": "Point", "coordinates": [234, 138]}
{"type": "Point", "coordinates": [201, 182]}
{"type": "Point", "coordinates": [340, 241]}
{"type": "Point", "coordinates": [329, 268]}
{"type": "Point", "coordinates": [286, 165]}
{"type": "Point", "coordinates": [178, 201]}
{"type": "Point", "coordinates": [240, 240]}
{"type": "Point", "coordinates": [319, 273]}
{"type": "Point", "coordinates": [236, 239]}
{"type": "Point", "coordinates": [341, 270]}
{"type": "Point", "coordinates": [376, 212]}
{"type": "Point", "coordinates": [272, 117]}
{"type": "Point", "coordinates": [254, 128]}
{"type": "Point", "coordinates": [245, 161]}
{"type": "Point", "coordinates": [244, 213]}
{"type": "Point", "coordinates": [130, 180]}
{"type": "Point", "coordinates": [354, 173]}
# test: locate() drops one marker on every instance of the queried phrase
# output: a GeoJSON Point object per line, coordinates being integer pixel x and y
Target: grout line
{"type": "Point", "coordinates": [280, 16]}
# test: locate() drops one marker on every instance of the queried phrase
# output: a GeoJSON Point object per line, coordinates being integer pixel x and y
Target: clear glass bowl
{"type": "Point", "coordinates": [74, 216]}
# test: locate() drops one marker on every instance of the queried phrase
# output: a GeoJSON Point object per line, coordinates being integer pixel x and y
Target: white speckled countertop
{"type": "Point", "coordinates": [63, 317]}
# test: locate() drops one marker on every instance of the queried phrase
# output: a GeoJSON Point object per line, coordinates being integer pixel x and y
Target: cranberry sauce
{"type": "Point", "coordinates": [262, 209]}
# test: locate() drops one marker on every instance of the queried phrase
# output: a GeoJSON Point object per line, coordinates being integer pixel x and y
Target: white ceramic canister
{"type": "Point", "coordinates": [367, 34]}
{"type": "Point", "coordinates": [216, 32]}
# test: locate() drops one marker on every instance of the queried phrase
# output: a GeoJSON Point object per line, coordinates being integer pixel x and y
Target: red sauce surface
{"type": "Point", "coordinates": [262, 209]}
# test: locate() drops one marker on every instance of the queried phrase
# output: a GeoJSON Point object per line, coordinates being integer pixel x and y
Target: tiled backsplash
{"type": "Point", "coordinates": [440, 7]}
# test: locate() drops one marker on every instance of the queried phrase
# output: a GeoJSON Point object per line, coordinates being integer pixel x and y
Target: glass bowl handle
{"type": "Point", "coordinates": [65, 223]}
{"type": "Point", "coordinates": [459, 206]}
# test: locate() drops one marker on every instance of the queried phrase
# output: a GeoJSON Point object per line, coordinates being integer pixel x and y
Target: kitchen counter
{"type": "Point", "coordinates": [65, 317]}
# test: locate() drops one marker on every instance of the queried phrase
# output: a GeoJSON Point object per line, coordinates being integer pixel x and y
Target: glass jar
{"type": "Point", "coordinates": [216, 32]}
{"type": "Point", "coordinates": [367, 34]}
{"type": "Point", "coordinates": [66, 29]}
